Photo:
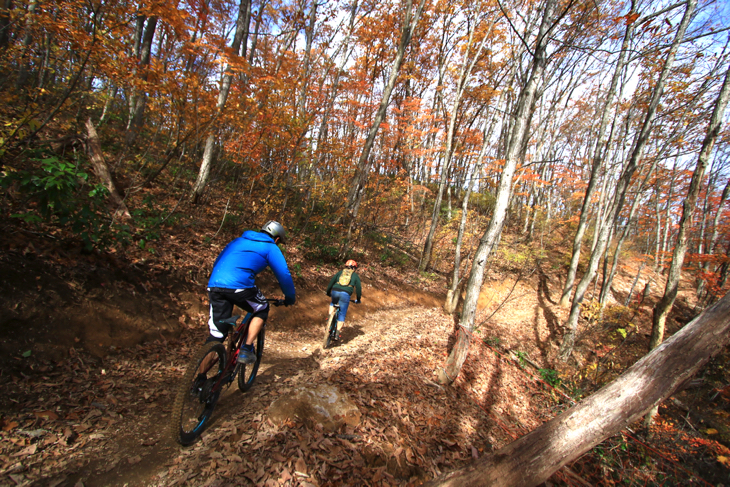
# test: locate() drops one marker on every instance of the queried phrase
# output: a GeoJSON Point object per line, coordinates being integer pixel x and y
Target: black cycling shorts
{"type": "Point", "coordinates": [221, 307]}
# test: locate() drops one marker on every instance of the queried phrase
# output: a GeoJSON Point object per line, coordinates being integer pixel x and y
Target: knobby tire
{"type": "Point", "coordinates": [195, 400]}
{"type": "Point", "coordinates": [331, 323]}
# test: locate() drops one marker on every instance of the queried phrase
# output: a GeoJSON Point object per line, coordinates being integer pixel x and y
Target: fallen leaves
{"type": "Point", "coordinates": [66, 414]}
{"type": "Point", "coordinates": [46, 415]}
{"type": "Point", "coordinates": [412, 428]}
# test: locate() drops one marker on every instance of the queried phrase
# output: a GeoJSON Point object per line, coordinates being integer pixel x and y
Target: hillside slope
{"type": "Point", "coordinates": [96, 412]}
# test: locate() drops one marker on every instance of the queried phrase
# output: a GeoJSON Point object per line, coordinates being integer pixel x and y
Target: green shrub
{"type": "Point", "coordinates": [58, 193]}
{"type": "Point", "coordinates": [550, 376]}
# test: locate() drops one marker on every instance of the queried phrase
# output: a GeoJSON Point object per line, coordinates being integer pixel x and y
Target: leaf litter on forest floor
{"type": "Point", "coordinates": [78, 412]}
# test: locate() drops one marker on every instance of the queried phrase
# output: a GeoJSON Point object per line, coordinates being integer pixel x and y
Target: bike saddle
{"type": "Point", "coordinates": [230, 321]}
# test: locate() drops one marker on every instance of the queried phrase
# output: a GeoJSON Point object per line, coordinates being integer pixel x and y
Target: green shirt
{"type": "Point", "coordinates": [354, 285]}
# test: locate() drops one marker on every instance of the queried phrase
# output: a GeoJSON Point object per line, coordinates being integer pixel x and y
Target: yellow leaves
{"type": "Point", "coordinates": [724, 460]}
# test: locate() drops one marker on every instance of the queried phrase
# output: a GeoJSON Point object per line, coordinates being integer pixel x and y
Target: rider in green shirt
{"type": "Point", "coordinates": [340, 288]}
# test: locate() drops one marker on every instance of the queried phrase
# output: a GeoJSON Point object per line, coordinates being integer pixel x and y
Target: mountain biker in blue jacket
{"type": "Point", "coordinates": [232, 282]}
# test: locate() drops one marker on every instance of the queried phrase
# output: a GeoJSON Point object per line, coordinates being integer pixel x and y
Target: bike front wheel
{"type": "Point", "coordinates": [198, 393]}
{"type": "Point", "coordinates": [330, 330]}
{"type": "Point", "coordinates": [247, 372]}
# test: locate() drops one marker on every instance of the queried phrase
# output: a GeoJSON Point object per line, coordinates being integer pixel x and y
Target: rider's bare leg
{"type": "Point", "coordinates": [253, 329]}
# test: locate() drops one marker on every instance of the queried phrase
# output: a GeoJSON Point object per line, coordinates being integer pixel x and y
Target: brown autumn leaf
{"type": "Point", "coordinates": [285, 476]}
{"type": "Point", "coordinates": [46, 415]}
{"type": "Point", "coordinates": [300, 466]}
{"type": "Point", "coordinates": [29, 450]}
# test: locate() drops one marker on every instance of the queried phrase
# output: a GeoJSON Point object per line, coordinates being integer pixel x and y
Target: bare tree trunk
{"type": "Point", "coordinates": [664, 306]}
{"type": "Point", "coordinates": [138, 100]}
{"type": "Point", "coordinates": [346, 51]}
{"type": "Point", "coordinates": [5, 23]}
{"type": "Point", "coordinates": [608, 276]}
{"type": "Point", "coordinates": [24, 64]}
{"type": "Point", "coordinates": [622, 186]}
{"type": "Point", "coordinates": [533, 458]}
{"type": "Point", "coordinates": [102, 171]}
{"type": "Point", "coordinates": [715, 232]}
{"type": "Point", "coordinates": [504, 192]}
{"type": "Point", "coordinates": [627, 302]}
{"type": "Point", "coordinates": [452, 295]}
{"type": "Point", "coordinates": [307, 68]}
{"type": "Point", "coordinates": [207, 163]}
{"type": "Point", "coordinates": [597, 161]}
{"type": "Point", "coordinates": [357, 188]}
{"type": "Point", "coordinates": [667, 217]}
{"type": "Point", "coordinates": [658, 229]}
{"type": "Point", "coordinates": [466, 70]}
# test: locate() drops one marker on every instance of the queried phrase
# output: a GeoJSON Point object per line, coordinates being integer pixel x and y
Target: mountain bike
{"type": "Point", "coordinates": [213, 367]}
{"type": "Point", "coordinates": [330, 330]}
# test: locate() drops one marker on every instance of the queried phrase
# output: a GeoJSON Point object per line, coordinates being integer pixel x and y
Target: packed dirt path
{"type": "Point", "coordinates": [85, 421]}
{"type": "Point", "coordinates": [81, 419]}
{"type": "Point", "coordinates": [118, 433]}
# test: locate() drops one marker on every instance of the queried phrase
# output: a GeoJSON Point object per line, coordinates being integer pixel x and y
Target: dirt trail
{"type": "Point", "coordinates": [121, 436]}
{"type": "Point", "coordinates": [73, 418]}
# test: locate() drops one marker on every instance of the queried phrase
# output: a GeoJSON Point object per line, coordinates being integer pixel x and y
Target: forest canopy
{"type": "Point", "coordinates": [321, 113]}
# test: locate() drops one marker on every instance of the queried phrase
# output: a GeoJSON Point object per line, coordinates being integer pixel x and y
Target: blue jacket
{"type": "Point", "coordinates": [236, 267]}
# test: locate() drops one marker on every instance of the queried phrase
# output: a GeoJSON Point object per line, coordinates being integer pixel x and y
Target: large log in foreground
{"type": "Point", "coordinates": [531, 459]}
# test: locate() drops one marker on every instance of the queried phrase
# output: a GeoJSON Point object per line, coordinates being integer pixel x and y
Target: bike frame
{"type": "Point", "coordinates": [235, 339]}
{"type": "Point", "coordinates": [195, 400]}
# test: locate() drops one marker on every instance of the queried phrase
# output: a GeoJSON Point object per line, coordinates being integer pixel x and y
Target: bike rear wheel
{"type": "Point", "coordinates": [247, 372]}
{"type": "Point", "coordinates": [330, 330]}
{"type": "Point", "coordinates": [198, 393]}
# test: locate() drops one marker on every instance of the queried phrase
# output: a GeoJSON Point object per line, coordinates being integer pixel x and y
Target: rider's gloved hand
{"type": "Point", "coordinates": [289, 301]}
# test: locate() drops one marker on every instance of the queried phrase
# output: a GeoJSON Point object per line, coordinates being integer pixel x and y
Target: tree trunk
{"type": "Point", "coordinates": [608, 276]}
{"type": "Point", "coordinates": [715, 234]}
{"type": "Point", "coordinates": [5, 23]}
{"type": "Point", "coordinates": [597, 161]}
{"type": "Point", "coordinates": [504, 192]}
{"type": "Point", "coordinates": [667, 217]}
{"type": "Point", "coordinates": [466, 70]}
{"type": "Point", "coordinates": [452, 295]}
{"type": "Point", "coordinates": [658, 229]}
{"type": "Point", "coordinates": [627, 302]}
{"type": "Point", "coordinates": [138, 100]}
{"type": "Point", "coordinates": [24, 65]}
{"type": "Point", "coordinates": [664, 306]}
{"type": "Point", "coordinates": [622, 186]}
{"type": "Point", "coordinates": [346, 51]}
{"type": "Point", "coordinates": [207, 163]}
{"type": "Point", "coordinates": [306, 63]}
{"type": "Point", "coordinates": [410, 21]}
{"type": "Point", "coordinates": [102, 171]}
{"type": "Point", "coordinates": [533, 458]}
